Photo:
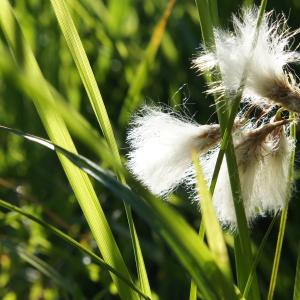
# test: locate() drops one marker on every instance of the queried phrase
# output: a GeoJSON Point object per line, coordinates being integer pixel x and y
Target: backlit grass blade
{"type": "Point", "coordinates": [243, 253]}
{"type": "Point", "coordinates": [193, 291]}
{"type": "Point", "coordinates": [283, 218]}
{"type": "Point", "coordinates": [72, 243]}
{"type": "Point", "coordinates": [133, 97]}
{"type": "Point", "coordinates": [297, 279]}
{"type": "Point", "coordinates": [191, 251]}
{"type": "Point", "coordinates": [59, 134]}
{"type": "Point", "coordinates": [80, 58]}
{"type": "Point", "coordinates": [85, 71]}
{"type": "Point", "coordinates": [212, 227]}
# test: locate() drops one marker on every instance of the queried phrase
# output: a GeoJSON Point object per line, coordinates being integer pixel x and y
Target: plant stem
{"type": "Point", "coordinates": [283, 218]}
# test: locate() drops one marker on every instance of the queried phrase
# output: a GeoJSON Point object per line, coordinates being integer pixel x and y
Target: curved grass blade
{"type": "Point", "coordinates": [80, 58]}
{"type": "Point", "coordinates": [183, 240]}
{"type": "Point", "coordinates": [211, 224]}
{"type": "Point", "coordinates": [133, 97]}
{"type": "Point", "coordinates": [58, 133]}
{"type": "Point", "coordinates": [72, 243]}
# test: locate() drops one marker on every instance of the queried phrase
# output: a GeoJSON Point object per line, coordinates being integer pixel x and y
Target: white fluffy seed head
{"type": "Point", "coordinates": [267, 80]}
{"type": "Point", "coordinates": [160, 147]}
{"type": "Point", "coordinates": [263, 162]}
{"type": "Point", "coordinates": [275, 179]}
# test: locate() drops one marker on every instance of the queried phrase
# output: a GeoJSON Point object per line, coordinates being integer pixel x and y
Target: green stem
{"type": "Point", "coordinates": [283, 219]}
{"type": "Point", "coordinates": [257, 258]}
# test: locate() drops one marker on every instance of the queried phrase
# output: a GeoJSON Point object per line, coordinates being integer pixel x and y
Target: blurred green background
{"type": "Point", "coordinates": [115, 34]}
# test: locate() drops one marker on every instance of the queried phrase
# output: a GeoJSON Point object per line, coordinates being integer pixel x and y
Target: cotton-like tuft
{"type": "Point", "coordinates": [263, 156]}
{"type": "Point", "coordinates": [161, 145]}
{"type": "Point", "coordinates": [268, 79]}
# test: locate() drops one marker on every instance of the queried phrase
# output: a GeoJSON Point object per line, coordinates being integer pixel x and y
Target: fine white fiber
{"type": "Point", "coordinates": [161, 145]}
{"type": "Point", "coordinates": [275, 177]}
{"type": "Point", "coordinates": [261, 153]}
{"type": "Point", "coordinates": [268, 80]}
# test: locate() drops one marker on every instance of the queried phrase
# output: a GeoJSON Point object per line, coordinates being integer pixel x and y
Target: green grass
{"type": "Point", "coordinates": [55, 58]}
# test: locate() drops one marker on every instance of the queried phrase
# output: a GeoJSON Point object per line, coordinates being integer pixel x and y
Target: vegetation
{"type": "Point", "coordinates": [79, 226]}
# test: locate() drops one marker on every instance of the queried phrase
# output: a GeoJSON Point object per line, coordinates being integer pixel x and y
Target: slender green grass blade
{"type": "Point", "coordinates": [72, 243]}
{"type": "Point", "coordinates": [85, 71]}
{"type": "Point", "coordinates": [193, 286]}
{"type": "Point", "coordinates": [76, 48]}
{"type": "Point", "coordinates": [58, 133]}
{"type": "Point", "coordinates": [206, 22]}
{"type": "Point", "coordinates": [297, 279]}
{"type": "Point", "coordinates": [183, 240]}
{"type": "Point", "coordinates": [257, 258]}
{"type": "Point", "coordinates": [133, 97]}
{"type": "Point", "coordinates": [193, 291]}
{"type": "Point", "coordinates": [213, 6]}
{"type": "Point", "coordinates": [205, 12]}
{"type": "Point", "coordinates": [283, 218]}
{"type": "Point", "coordinates": [212, 227]}
{"type": "Point", "coordinates": [243, 253]}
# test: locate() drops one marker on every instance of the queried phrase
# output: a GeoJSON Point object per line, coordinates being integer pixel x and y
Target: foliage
{"type": "Point", "coordinates": [139, 51]}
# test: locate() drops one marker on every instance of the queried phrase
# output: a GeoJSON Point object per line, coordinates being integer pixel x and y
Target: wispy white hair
{"type": "Point", "coordinates": [161, 145]}
{"type": "Point", "coordinates": [268, 79]}
{"type": "Point", "coordinates": [263, 156]}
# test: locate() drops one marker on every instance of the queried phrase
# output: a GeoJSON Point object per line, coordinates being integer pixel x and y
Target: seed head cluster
{"type": "Point", "coordinates": [161, 142]}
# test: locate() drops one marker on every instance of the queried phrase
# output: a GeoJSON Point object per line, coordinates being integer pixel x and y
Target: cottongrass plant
{"type": "Point", "coordinates": [161, 142]}
{"type": "Point", "coordinates": [268, 80]}
{"type": "Point", "coordinates": [161, 145]}
{"type": "Point", "coordinates": [250, 63]}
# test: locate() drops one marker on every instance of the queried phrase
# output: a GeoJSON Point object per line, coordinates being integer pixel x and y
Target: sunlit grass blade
{"type": "Point", "coordinates": [85, 71]}
{"type": "Point", "coordinates": [80, 58]}
{"type": "Point", "coordinates": [193, 291]}
{"type": "Point", "coordinates": [283, 218]}
{"type": "Point", "coordinates": [191, 251]}
{"type": "Point", "coordinates": [212, 227]}
{"type": "Point", "coordinates": [206, 24]}
{"type": "Point", "coordinates": [296, 295]}
{"type": "Point", "coordinates": [133, 97]}
{"type": "Point", "coordinates": [243, 253]}
{"type": "Point", "coordinates": [69, 240]}
{"type": "Point", "coordinates": [59, 134]}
